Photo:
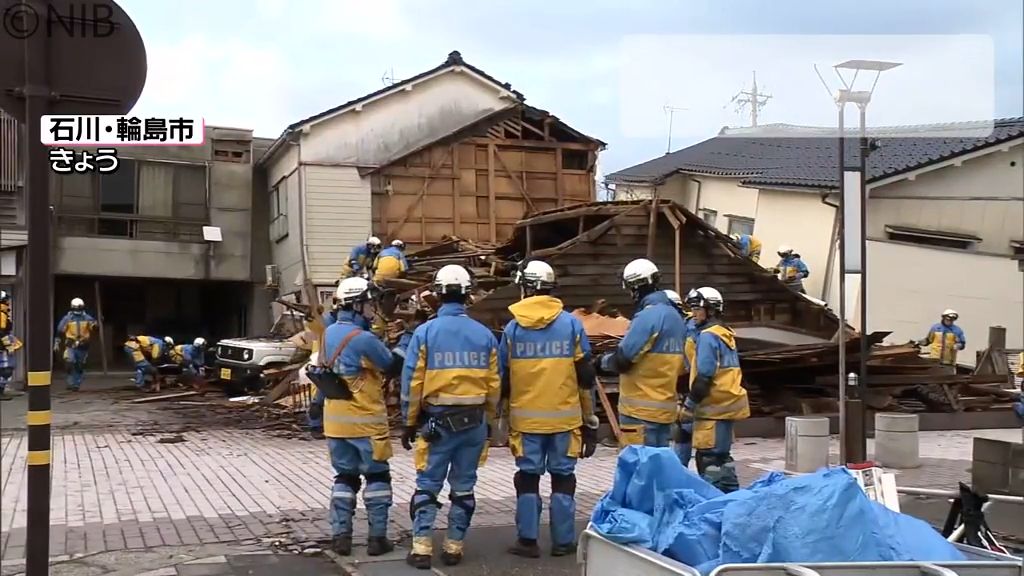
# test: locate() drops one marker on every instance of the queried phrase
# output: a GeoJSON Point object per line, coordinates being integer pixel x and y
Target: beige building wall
{"type": "Point", "coordinates": [800, 220]}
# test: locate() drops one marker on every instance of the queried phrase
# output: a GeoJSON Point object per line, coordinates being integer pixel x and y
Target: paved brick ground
{"type": "Point", "coordinates": [114, 491]}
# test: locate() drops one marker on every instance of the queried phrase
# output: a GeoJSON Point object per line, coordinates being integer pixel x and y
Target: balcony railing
{"type": "Point", "coordinates": [133, 226]}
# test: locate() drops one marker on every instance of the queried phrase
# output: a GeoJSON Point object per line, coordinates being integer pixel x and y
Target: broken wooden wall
{"type": "Point", "coordinates": [479, 186]}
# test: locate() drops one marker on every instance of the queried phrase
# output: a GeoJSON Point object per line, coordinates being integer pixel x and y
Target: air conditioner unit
{"type": "Point", "coordinates": [273, 275]}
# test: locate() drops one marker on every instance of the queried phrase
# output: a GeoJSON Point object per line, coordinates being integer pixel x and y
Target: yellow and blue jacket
{"type": "Point", "coordinates": [145, 348]}
{"type": "Point", "coordinates": [792, 270]}
{"type": "Point", "coordinates": [540, 352]}
{"type": "Point", "coordinates": [8, 343]}
{"type": "Point", "coordinates": [359, 259]}
{"type": "Point", "coordinates": [76, 329]}
{"type": "Point", "coordinates": [750, 246]}
{"type": "Point", "coordinates": [451, 360]}
{"type": "Point", "coordinates": [188, 356]}
{"type": "Point", "coordinates": [362, 364]}
{"type": "Point", "coordinates": [391, 263]}
{"type": "Point", "coordinates": [944, 342]}
{"type": "Point", "coordinates": [649, 361]}
{"type": "Point", "coordinates": [716, 381]}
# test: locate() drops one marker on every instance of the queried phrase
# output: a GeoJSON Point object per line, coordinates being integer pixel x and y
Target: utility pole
{"type": "Point", "coordinates": [671, 110]}
{"type": "Point", "coordinates": [752, 98]}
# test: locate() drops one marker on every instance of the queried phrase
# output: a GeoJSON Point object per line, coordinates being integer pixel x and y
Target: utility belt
{"type": "Point", "coordinates": [454, 419]}
{"type": "Point", "coordinates": [76, 343]}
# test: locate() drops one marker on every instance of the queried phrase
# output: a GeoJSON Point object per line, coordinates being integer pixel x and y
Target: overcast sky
{"type": "Point", "coordinates": [607, 67]}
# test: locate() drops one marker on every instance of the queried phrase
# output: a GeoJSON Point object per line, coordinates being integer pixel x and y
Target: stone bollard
{"type": "Point", "coordinates": [897, 440]}
{"type": "Point", "coordinates": [806, 443]}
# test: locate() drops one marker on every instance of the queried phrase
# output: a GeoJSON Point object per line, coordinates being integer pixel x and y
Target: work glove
{"type": "Point", "coordinates": [408, 437]}
{"type": "Point", "coordinates": [589, 431]}
{"type": "Point", "coordinates": [685, 411]}
{"type": "Point", "coordinates": [56, 345]}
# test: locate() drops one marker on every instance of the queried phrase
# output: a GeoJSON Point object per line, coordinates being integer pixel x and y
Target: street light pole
{"type": "Point", "coordinates": [853, 256]}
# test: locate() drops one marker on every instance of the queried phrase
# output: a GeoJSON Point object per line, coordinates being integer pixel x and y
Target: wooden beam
{"type": "Point", "coordinates": [531, 143]}
{"type": "Point", "coordinates": [676, 225]}
{"type": "Point", "coordinates": [519, 185]}
{"type": "Point", "coordinates": [491, 151]}
{"type": "Point", "coordinates": [419, 200]}
{"type": "Point", "coordinates": [559, 186]}
{"type": "Point", "coordinates": [590, 235]}
{"type": "Point", "coordinates": [526, 125]}
{"type": "Point", "coordinates": [456, 215]}
{"type": "Point", "coordinates": [653, 227]}
{"type": "Point", "coordinates": [529, 240]}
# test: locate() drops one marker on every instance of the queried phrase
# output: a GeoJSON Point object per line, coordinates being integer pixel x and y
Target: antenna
{"type": "Point", "coordinates": [388, 78]}
{"type": "Point", "coordinates": [752, 98]}
{"type": "Point", "coordinates": [671, 111]}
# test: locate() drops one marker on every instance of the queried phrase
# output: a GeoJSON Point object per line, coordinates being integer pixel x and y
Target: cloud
{"type": "Point", "coordinates": [943, 78]}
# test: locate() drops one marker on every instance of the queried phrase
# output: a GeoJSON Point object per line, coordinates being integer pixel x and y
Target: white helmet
{"type": "Point", "coordinates": [536, 275]}
{"type": "Point", "coordinates": [707, 298]}
{"type": "Point", "coordinates": [398, 244]}
{"type": "Point", "coordinates": [168, 340]}
{"type": "Point", "coordinates": [199, 342]}
{"type": "Point", "coordinates": [673, 297]}
{"type": "Point", "coordinates": [950, 313]}
{"type": "Point", "coordinates": [785, 250]}
{"type": "Point", "coordinates": [4, 296]}
{"type": "Point", "coordinates": [77, 303]}
{"type": "Point", "coordinates": [639, 272]}
{"type": "Point", "coordinates": [373, 241]}
{"type": "Point", "coordinates": [352, 290]}
{"type": "Point", "coordinates": [735, 236]}
{"type": "Point", "coordinates": [452, 279]}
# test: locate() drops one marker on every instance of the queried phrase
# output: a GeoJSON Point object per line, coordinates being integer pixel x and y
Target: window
{"type": "Point", "coordinates": [117, 195]}
{"type": "Point", "coordinates": [740, 225]}
{"type": "Point", "coordinates": [232, 151]}
{"type": "Point", "coordinates": [708, 216]}
{"type": "Point", "coordinates": [575, 159]}
{"type": "Point", "coordinates": [279, 211]}
{"type": "Point", "coordinates": [932, 237]}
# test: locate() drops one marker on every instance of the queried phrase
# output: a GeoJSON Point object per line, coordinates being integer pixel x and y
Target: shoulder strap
{"type": "Point", "coordinates": [341, 347]}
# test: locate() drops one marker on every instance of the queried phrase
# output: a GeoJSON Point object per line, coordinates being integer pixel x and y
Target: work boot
{"type": "Point", "coordinates": [525, 548]}
{"type": "Point", "coordinates": [317, 434]}
{"type": "Point", "coordinates": [342, 544]}
{"type": "Point", "coordinates": [418, 561]}
{"type": "Point", "coordinates": [450, 558]}
{"type": "Point", "coordinates": [378, 545]}
{"type": "Point", "coordinates": [563, 549]}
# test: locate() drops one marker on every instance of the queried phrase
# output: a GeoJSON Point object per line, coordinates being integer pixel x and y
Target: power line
{"type": "Point", "coordinates": [751, 98]}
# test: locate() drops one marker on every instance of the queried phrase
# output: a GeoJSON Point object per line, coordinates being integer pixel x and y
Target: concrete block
{"type": "Point", "coordinates": [997, 467]}
{"type": "Point", "coordinates": [897, 441]}
{"type": "Point", "coordinates": [806, 443]}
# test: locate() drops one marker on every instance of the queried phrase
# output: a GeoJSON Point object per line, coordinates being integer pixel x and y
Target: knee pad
{"type": "Point", "coordinates": [706, 459]}
{"type": "Point", "coordinates": [422, 499]}
{"type": "Point", "coordinates": [6, 372]}
{"type": "Point", "coordinates": [465, 501]}
{"type": "Point", "coordinates": [350, 480]}
{"type": "Point", "coordinates": [382, 477]}
{"type": "Point", "coordinates": [563, 484]}
{"type": "Point", "coordinates": [526, 483]}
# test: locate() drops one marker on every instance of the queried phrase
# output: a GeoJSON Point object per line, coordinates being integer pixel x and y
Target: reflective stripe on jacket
{"type": "Point", "coordinates": [361, 363]}
{"type": "Point", "coordinates": [719, 362]}
{"type": "Point", "coordinates": [654, 343]}
{"type": "Point", "coordinates": [944, 342]}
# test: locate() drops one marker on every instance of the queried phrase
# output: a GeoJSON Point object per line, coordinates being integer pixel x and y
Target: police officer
{"type": "Point", "coordinates": [649, 360]}
{"type": "Point", "coordinates": [361, 258]}
{"type": "Point", "coordinates": [74, 331]}
{"type": "Point", "coordinates": [548, 378]}
{"type": "Point", "coordinates": [146, 352]}
{"type": "Point", "coordinates": [450, 393]}
{"type": "Point", "coordinates": [8, 344]}
{"type": "Point", "coordinates": [191, 358]}
{"type": "Point", "coordinates": [716, 399]}
{"type": "Point", "coordinates": [357, 429]}
{"type": "Point", "coordinates": [315, 412]}
{"type": "Point", "coordinates": [682, 445]}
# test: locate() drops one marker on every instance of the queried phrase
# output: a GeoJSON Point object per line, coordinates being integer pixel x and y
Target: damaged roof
{"type": "Point", "coordinates": [795, 156]}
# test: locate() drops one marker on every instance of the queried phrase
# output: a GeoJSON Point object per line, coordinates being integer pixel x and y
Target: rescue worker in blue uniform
{"type": "Point", "coordinates": [548, 378]}
{"type": "Point", "coordinates": [791, 269]}
{"type": "Point", "coordinates": [945, 339]}
{"type": "Point", "coordinates": [749, 245]}
{"type": "Point", "coordinates": [191, 358]}
{"type": "Point", "coordinates": [716, 398]}
{"type": "Point", "coordinates": [682, 446]}
{"type": "Point", "coordinates": [315, 412]}
{"type": "Point", "coordinates": [8, 344]}
{"type": "Point", "coordinates": [357, 429]}
{"type": "Point", "coordinates": [391, 262]}
{"type": "Point", "coordinates": [146, 352]}
{"type": "Point", "coordinates": [361, 258]}
{"type": "Point", "coordinates": [74, 332]}
{"type": "Point", "coordinates": [649, 360]}
{"type": "Point", "coordinates": [450, 393]}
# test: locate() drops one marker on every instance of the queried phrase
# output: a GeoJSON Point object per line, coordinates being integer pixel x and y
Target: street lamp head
{"type": "Point", "coordinates": [873, 65]}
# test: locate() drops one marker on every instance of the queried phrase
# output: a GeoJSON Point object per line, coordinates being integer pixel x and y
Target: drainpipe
{"type": "Point", "coordinates": [830, 261]}
{"type": "Point", "coordinates": [302, 221]}
{"type": "Point", "coordinates": [700, 185]}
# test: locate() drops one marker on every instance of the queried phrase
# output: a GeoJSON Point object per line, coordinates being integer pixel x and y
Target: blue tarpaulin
{"type": "Point", "coordinates": [820, 517]}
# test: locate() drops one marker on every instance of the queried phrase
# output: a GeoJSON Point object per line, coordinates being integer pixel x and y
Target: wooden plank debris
{"type": "Point", "coordinates": [162, 397]}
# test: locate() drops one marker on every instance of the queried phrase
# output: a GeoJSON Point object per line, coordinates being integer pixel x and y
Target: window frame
{"type": "Point", "coordinates": [278, 221]}
{"type": "Point", "coordinates": [702, 213]}
{"type": "Point", "coordinates": [932, 238]}
{"type": "Point", "coordinates": [734, 219]}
